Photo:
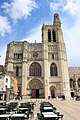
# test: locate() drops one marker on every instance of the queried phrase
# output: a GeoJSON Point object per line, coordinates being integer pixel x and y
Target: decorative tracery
{"type": "Point", "coordinates": [35, 69]}
{"type": "Point", "coordinates": [53, 70]}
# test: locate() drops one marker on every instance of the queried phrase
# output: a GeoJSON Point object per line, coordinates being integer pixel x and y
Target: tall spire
{"type": "Point", "coordinates": [56, 20]}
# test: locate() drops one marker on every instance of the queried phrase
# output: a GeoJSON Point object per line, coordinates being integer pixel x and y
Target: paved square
{"type": "Point", "coordinates": [69, 108]}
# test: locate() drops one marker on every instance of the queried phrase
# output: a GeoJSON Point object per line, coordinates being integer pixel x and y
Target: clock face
{"type": "Point", "coordinates": [35, 54]}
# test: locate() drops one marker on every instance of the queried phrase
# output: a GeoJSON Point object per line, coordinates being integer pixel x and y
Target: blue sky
{"type": "Point", "coordinates": [22, 20]}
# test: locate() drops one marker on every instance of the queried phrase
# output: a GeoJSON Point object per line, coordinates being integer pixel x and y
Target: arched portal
{"type": "Point", "coordinates": [52, 91]}
{"type": "Point", "coordinates": [36, 89]}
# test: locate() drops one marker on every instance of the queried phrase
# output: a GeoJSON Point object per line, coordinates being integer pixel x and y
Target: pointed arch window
{"type": "Point", "coordinates": [35, 69]}
{"type": "Point", "coordinates": [14, 55]}
{"type": "Point", "coordinates": [52, 56]}
{"type": "Point", "coordinates": [78, 82]}
{"type": "Point", "coordinates": [53, 70]}
{"type": "Point", "coordinates": [54, 36]}
{"type": "Point", "coordinates": [49, 36]}
{"type": "Point", "coordinates": [72, 84]}
{"type": "Point", "coordinates": [17, 70]}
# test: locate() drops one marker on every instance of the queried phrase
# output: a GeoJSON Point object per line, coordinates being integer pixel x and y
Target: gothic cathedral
{"type": "Point", "coordinates": [41, 68]}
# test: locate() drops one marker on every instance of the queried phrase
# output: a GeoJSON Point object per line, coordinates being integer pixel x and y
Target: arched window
{"type": "Point", "coordinates": [35, 69]}
{"type": "Point", "coordinates": [14, 55]}
{"type": "Point", "coordinates": [54, 36]}
{"type": "Point", "coordinates": [53, 70]}
{"type": "Point", "coordinates": [52, 56]}
{"type": "Point", "coordinates": [78, 81]}
{"type": "Point", "coordinates": [49, 36]}
{"type": "Point", "coordinates": [17, 70]}
{"type": "Point", "coordinates": [72, 84]}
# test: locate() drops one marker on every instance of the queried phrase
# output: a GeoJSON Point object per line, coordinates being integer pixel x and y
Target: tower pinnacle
{"type": "Point", "coordinates": [56, 19]}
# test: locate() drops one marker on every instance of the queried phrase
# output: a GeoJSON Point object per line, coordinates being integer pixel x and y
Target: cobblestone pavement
{"type": "Point", "coordinates": [69, 108]}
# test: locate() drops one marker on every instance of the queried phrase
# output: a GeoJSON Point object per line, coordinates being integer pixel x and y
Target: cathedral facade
{"type": "Point", "coordinates": [41, 68]}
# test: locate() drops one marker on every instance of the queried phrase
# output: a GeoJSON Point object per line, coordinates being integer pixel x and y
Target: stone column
{"type": "Point", "coordinates": [24, 70]}
{"type": "Point", "coordinates": [45, 60]}
{"type": "Point", "coordinates": [24, 79]}
{"type": "Point", "coordinates": [45, 69]}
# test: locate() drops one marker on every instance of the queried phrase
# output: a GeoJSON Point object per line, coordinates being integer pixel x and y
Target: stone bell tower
{"type": "Point", "coordinates": [55, 57]}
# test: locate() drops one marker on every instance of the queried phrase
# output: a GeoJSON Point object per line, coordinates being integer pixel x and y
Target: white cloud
{"type": "Point", "coordinates": [55, 4]}
{"type": "Point", "coordinates": [3, 54]}
{"type": "Point", "coordinates": [4, 26]}
{"type": "Point", "coordinates": [34, 34]}
{"type": "Point", "coordinates": [19, 9]}
{"type": "Point", "coordinates": [72, 6]}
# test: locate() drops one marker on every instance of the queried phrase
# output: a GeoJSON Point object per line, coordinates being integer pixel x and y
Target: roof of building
{"type": "Point", "coordinates": [74, 70]}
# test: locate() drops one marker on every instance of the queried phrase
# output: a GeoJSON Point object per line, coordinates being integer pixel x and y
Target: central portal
{"type": "Point", "coordinates": [36, 89]}
{"type": "Point", "coordinates": [35, 93]}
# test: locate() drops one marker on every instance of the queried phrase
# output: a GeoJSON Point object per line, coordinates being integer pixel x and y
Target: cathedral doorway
{"type": "Point", "coordinates": [35, 93]}
{"type": "Point", "coordinates": [36, 89]}
{"type": "Point", "coordinates": [52, 91]}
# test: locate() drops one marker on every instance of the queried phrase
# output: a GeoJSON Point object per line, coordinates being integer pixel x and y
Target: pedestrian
{"type": "Point", "coordinates": [63, 97]}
